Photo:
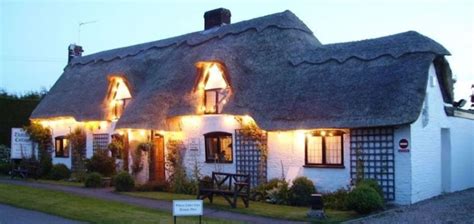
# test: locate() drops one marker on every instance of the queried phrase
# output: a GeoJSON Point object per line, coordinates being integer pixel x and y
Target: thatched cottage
{"type": "Point", "coordinates": [381, 108]}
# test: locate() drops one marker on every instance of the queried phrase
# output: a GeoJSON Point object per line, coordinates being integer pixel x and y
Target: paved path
{"type": "Point", "coordinates": [13, 215]}
{"type": "Point", "coordinates": [453, 208]}
{"type": "Point", "coordinates": [108, 194]}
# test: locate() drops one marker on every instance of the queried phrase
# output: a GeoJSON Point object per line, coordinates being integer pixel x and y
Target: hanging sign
{"type": "Point", "coordinates": [193, 144]}
{"type": "Point", "coordinates": [403, 145]}
{"type": "Point", "coordinates": [21, 145]}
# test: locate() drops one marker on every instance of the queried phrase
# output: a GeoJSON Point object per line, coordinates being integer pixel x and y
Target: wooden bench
{"type": "Point", "coordinates": [228, 185]}
{"type": "Point", "coordinates": [23, 173]}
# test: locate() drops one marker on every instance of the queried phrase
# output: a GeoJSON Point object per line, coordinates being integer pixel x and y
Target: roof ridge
{"type": "Point", "coordinates": [395, 45]}
{"type": "Point", "coordinates": [281, 20]}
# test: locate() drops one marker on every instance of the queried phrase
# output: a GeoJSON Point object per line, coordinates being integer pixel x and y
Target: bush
{"type": "Point", "coordinates": [124, 182]}
{"type": "Point", "coordinates": [301, 190]}
{"type": "Point", "coordinates": [5, 168]}
{"type": "Point", "coordinates": [4, 154]}
{"type": "Point", "coordinates": [101, 163]}
{"type": "Point", "coordinates": [279, 194]}
{"type": "Point", "coordinates": [93, 180]}
{"type": "Point", "coordinates": [364, 199]}
{"type": "Point", "coordinates": [60, 172]}
{"type": "Point", "coordinates": [153, 186]}
{"type": "Point", "coordinates": [373, 184]}
{"type": "Point", "coordinates": [336, 200]}
{"type": "Point", "coordinates": [260, 192]}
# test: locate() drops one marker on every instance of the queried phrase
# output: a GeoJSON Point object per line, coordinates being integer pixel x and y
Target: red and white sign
{"type": "Point", "coordinates": [403, 144]}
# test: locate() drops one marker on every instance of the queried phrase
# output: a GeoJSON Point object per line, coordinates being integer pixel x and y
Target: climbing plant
{"type": "Point", "coordinates": [42, 136]}
{"type": "Point", "coordinates": [251, 130]}
{"type": "Point", "coordinates": [137, 157]}
{"type": "Point", "coordinates": [77, 140]}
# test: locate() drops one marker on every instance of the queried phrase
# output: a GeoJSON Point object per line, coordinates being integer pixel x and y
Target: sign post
{"type": "Point", "coordinates": [187, 208]}
{"type": "Point", "coordinates": [21, 145]}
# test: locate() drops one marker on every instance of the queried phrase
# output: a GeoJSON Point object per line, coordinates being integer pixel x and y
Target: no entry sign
{"type": "Point", "coordinates": [403, 144]}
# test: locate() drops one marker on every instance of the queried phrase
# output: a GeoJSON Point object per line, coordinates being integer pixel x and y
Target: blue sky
{"type": "Point", "coordinates": [34, 34]}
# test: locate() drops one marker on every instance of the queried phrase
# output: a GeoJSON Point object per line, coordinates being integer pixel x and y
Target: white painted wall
{"type": "Point", "coordinates": [194, 127]}
{"type": "Point", "coordinates": [426, 147]}
{"type": "Point", "coordinates": [402, 166]}
{"type": "Point", "coordinates": [64, 127]}
{"type": "Point", "coordinates": [287, 149]}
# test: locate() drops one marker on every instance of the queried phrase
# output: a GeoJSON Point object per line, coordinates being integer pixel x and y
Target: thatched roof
{"type": "Point", "coordinates": [281, 75]}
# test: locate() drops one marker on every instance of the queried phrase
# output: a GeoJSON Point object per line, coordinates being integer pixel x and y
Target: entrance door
{"type": "Point", "coordinates": [157, 165]}
{"type": "Point", "coordinates": [445, 160]}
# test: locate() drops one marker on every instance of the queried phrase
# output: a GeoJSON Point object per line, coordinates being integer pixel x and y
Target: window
{"type": "Point", "coordinates": [100, 142]}
{"type": "Point", "coordinates": [324, 149]}
{"type": "Point", "coordinates": [119, 96]}
{"type": "Point", "coordinates": [218, 147]}
{"type": "Point", "coordinates": [215, 85]}
{"type": "Point", "coordinates": [61, 147]}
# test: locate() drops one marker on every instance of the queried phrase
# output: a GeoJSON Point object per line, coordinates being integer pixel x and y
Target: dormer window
{"type": "Point", "coordinates": [214, 83]}
{"type": "Point", "coordinates": [119, 97]}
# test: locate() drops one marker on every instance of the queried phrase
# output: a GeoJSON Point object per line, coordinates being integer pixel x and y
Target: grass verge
{"type": "Point", "coordinates": [84, 208]}
{"type": "Point", "coordinates": [255, 208]}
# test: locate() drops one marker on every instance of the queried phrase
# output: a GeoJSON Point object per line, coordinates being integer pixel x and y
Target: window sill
{"type": "Point", "coordinates": [324, 166]}
{"type": "Point", "coordinates": [225, 162]}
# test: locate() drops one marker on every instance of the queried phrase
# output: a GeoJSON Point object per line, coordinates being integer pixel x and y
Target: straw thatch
{"type": "Point", "coordinates": [281, 75]}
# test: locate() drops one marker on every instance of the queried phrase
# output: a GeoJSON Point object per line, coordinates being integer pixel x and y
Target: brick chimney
{"type": "Point", "coordinates": [216, 17]}
{"type": "Point", "coordinates": [74, 51]}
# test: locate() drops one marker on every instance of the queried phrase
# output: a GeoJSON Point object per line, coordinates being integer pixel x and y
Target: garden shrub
{"type": "Point", "coordinates": [373, 184]}
{"type": "Point", "coordinates": [124, 182]}
{"type": "Point", "coordinates": [5, 168]}
{"type": "Point", "coordinates": [154, 186]}
{"type": "Point", "coordinates": [60, 172]}
{"type": "Point", "coordinates": [42, 136]}
{"type": "Point", "coordinates": [301, 190]}
{"type": "Point", "coordinates": [93, 180]}
{"type": "Point", "coordinates": [259, 192]}
{"type": "Point", "coordinates": [336, 200]}
{"type": "Point", "coordinates": [364, 199]}
{"type": "Point", "coordinates": [101, 163]}
{"type": "Point", "coordinates": [279, 194]}
{"type": "Point", "coordinates": [32, 165]}
{"type": "Point", "coordinates": [4, 154]}
{"type": "Point", "coordinates": [206, 182]}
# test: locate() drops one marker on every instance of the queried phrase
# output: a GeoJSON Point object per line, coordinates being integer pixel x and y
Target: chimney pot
{"type": "Point", "coordinates": [216, 17]}
{"type": "Point", "coordinates": [74, 51]}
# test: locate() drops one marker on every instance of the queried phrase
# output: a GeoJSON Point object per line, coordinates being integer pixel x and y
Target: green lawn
{"type": "Point", "coordinates": [59, 182]}
{"type": "Point", "coordinates": [84, 208]}
{"type": "Point", "coordinates": [255, 208]}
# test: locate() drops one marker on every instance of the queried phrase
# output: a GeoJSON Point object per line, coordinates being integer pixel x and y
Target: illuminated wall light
{"type": "Point", "coordinates": [247, 119]}
{"type": "Point", "coordinates": [142, 132]}
{"type": "Point", "coordinates": [323, 133]}
{"type": "Point", "coordinates": [229, 120]}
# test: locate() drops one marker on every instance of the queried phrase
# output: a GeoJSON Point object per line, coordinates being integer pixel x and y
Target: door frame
{"type": "Point", "coordinates": [153, 176]}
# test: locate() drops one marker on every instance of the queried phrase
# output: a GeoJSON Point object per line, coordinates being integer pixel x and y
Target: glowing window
{"type": "Point", "coordinates": [215, 87]}
{"type": "Point", "coordinates": [61, 147]}
{"type": "Point", "coordinates": [218, 147]}
{"type": "Point", "coordinates": [119, 97]}
{"type": "Point", "coordinates": [324, 148]}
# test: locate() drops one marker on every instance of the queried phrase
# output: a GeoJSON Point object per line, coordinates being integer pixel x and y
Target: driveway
{"type": "Point", "coordinates": [453, 208]}
{"type": "Point", "coordinates": [14, 215]}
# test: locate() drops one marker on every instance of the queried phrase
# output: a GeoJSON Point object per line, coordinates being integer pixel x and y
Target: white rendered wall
{"type": "Point", "coordinates": [64, 127]}
{"type": "Point", "coordinates": [193, 129]}
{"type": "Point", "coordinates": [402, 167]}
{"type": "Point", "coordinates": [287, 149]}
{"type": "Point", "coordinates": [426, 147]}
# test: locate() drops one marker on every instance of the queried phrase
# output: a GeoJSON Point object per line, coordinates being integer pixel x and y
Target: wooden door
{"type": "Point", "coordinates": [157, 165]}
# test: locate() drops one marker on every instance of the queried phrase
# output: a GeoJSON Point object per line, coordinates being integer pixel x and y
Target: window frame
{"type": "Point", "coordinates": [216, 91]}
{"type": "Point", "coordinates": [61, 148]}
{"type": "Point", "coordinates": [218, 135]}
{"type": "Point", "coordinates": [323, 163]}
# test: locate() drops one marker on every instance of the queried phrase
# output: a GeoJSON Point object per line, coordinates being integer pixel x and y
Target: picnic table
{"type": "Point", "coordinates": [228, 185]}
